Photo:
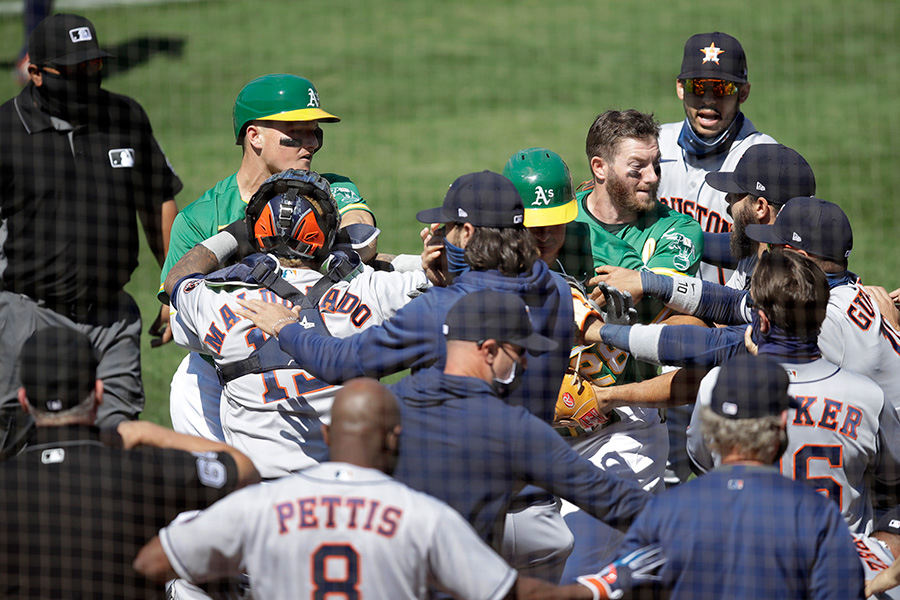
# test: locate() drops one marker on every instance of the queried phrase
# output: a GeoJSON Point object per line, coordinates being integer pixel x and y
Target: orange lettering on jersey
{"type": "Point", "coordinates": [389, 519]}
{"type": "Point", "coordinates": [228, 317]}
{"type": "Point", "coordinates": [861, 311]}
{"type": "Point", "coordinates": [830, 413]}
{"type": "Point", "coordinates": [374, 507]}
{"type": "Point", "coordinates": [214, 338]}
{"type": "Point", "coordinates": [360, 315]}
{"type": "Point", "coordinates": [851, 422]}
{"type": "Point", "coordinates": [329, 301]}
{"type": "Point", "coordinates": [347, 304]}
{"type": "Point", "coordinates": [354, 504]}
{"type": "Point", "coordinates": [307, 513]}
{"type": "Point", "coordinates": [802, 416]}
{"type": "Point", "coordinates": [330, 502]}
{"type": "Point", "coordinates": [285, 511]}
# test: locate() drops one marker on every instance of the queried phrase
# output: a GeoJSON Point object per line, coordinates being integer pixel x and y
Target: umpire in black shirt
{"type": "Point", "coordinates": [79, 503]}
{"type": "Point", "coordinates": [77, 163]}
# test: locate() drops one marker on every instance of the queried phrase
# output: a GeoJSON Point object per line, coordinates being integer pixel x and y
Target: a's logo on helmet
{"type": "Point", "coordinates": [313, 99]}
{"type": "Point", "coordinates": [542, 196]}
{"type": "Point", "coordinates": [568, 400]}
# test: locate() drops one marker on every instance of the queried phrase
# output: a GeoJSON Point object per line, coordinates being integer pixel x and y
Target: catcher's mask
{"type": "Point", "coordinates": [293, 215]}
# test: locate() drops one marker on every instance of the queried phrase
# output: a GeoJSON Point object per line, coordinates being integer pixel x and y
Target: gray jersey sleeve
{"type": "Point", "coordinates": [696, 446]}
{"type": "Point", "coordinates": [457, 551]}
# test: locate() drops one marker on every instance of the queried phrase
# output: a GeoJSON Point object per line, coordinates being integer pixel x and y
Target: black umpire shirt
{"type": "Point", "coordinates": [69, 196]}
{"type": "Point", "coordinates": [74, 512]}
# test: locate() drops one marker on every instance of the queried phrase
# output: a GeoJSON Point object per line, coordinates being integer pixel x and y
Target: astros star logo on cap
{"type": "Point", "coordinates": [711, 53]}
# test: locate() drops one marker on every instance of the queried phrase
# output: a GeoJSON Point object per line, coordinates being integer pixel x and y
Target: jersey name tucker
{"type": "Point", "coordinates": [830, 417]}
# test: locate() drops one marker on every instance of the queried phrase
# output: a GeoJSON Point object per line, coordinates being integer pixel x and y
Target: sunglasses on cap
{"type": "Point", "coordinates": [719, 87]}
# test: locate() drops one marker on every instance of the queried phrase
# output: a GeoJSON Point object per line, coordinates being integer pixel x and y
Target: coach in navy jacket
{"type": "Point", "coordinates": [461, 443]}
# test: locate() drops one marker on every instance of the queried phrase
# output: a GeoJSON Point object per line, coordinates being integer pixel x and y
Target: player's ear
{"type": "Point", "coordinates": [599, 168]}
{"type": "Point", "coordinates": [467, 230]}
{"type": "Point", "coordinates": [23, 400]}
{"type": "Point", "coordinates": [764, 324]}
{"type": "Point", "coordinates": [98, 391]}
{"type": "Point", "coordinates": [489, 348]}
{"type": "Point", "coordinates": [253, 136]}
{"type": "Point", "coordinates": [326, 434]}
{"type": "Point", "coordinates": [679, 89]}
{"type": "Point", "coordinates": [744, 93]}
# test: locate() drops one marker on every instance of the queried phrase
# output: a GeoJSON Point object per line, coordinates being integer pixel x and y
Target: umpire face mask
{"type": "Point", "coordinates": [70, 97]}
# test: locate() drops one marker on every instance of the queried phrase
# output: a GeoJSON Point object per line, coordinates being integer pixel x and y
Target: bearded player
{"type": "Point", "coordinates": [271, 407]}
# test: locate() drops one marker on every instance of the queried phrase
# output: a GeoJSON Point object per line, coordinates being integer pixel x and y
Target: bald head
{"type": "Point", "coordinates": [365, 425]}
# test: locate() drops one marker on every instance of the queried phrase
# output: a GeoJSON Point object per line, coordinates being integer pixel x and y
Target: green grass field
{"type": "Point", "coordinates": [431, 90]}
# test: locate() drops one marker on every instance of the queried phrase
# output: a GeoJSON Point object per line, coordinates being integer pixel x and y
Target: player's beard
{"type": "Point", "coordinates": [626, 199]}
{"type": "Point", "coordinates": [741, 245]}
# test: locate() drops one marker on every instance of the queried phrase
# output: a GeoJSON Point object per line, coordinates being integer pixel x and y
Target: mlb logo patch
{"type": "Point", "coordinates": [80, 34]}
{"type": "Point", "coordinates": [121, 158]}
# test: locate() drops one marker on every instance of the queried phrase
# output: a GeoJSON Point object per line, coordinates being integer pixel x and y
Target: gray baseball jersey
{"type": "Point", "coordinates": [275, 417]}
{"type": "Point", "coordinates": [855, 337]}
{"type": "Point", "coordinates": [875, 558]}
{"type": "Point", "coordinates": [843, 432]}
{"type": "Point", "coordinates": [337, 531]}
{"type": "Point", "coordinates": [683, 184]}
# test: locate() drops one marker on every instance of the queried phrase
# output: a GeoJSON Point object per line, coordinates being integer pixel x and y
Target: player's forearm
{"type": "Point", "coordinates": [528, 588]}
{"type": "Point", "coordinates": [694, 296]}
{"type": "Point", "coordinates": [145, 433]}
{"type": "Point", "coordinates": [152, 562]}
{"type": "Point", "coordinates": [203, 258]}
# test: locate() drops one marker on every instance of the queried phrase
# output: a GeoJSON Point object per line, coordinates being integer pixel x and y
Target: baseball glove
{"type": "Point", "coordinates": [577, 411]}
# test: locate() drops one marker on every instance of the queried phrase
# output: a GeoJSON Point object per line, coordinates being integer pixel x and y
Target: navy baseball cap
{"type": "Point", "coordinates": [58, 368]}
{"type": "Point", "coordinates": [64, 39]}
{"type": "Point", "coordinates": [889, 522]}
{"type": "Point", "coordinates": [751, 387]}
{"type": "Point", "coordinates": [811, 224]}
{"type": "Point", "coordinates": [500, 316]}
{"type": "Point", "coordinates": [714, 56]}
{"type": "Point", "coordinates": [484, 199]}
{"type": "Point", "coordinates": [773, 171]}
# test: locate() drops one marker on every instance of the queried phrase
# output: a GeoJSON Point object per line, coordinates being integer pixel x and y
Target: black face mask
{"type": "Point", "coordinates": [70, 98]}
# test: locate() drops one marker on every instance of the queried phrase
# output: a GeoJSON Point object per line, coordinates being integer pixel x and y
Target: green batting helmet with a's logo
{"type": "Point", "coordinates": [544, 182]}
{"type": "Point", "coordinates": [278, 97]}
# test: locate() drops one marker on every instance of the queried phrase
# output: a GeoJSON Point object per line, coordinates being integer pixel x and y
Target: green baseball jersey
{"type": "Point", "coordinates": [663, 241]}
{"type": "Point", "coordinates": [222, 205]}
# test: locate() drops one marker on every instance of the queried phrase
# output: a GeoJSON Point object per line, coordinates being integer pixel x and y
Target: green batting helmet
{"type": "Point", "coordinates": [544, 182]}
{"type": "Point", "coordinates": [278, 97]}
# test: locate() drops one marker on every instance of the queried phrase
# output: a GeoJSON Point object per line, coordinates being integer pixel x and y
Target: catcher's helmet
{"type": "Point", "coordinates": [293, 215]}
{"type": "Point", "coordinates": [278, 97]}
{"type": "Point", "coordinates": [544, 182]}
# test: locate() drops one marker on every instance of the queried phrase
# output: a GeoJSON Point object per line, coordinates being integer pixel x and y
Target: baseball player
{"type": "Point", "coordinates": [484, 246]}
{"type": "Point", "coordinates": [340, 529]}
{"type": "Point", "coordinates": [878, 551]}
{"type": "Point", "coordinates": [744, 531]}
{"type": "Point", "coordinates": [713, 136]}
{"type": "Point", "coordinates": [624, 442]}
{"type": "Point", "coordinates": [271, 408]}
{"type": "Point", "coordinates": [854, 335]}
{"type": "Point", "coordinates": [277, 124]}
{"type": "Point", "coordinates": [843, 431]}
